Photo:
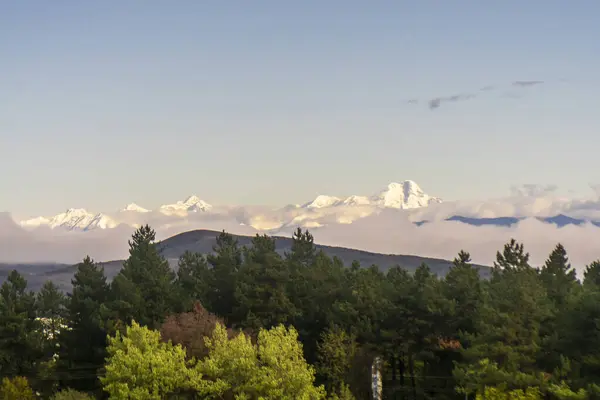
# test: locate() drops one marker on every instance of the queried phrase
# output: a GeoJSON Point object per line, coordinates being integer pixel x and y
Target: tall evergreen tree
{"type": "Point", "coordinates": [513, 257]}
{"type": "Point", "coordinates": [226, 260]}
{"type": "Point", "coordinates": [261, 287]}
{"type": "Point", "coordinates": [558, 277]}
{"type": "Point", "coordinates": [20, 333]}
{"type": "Point", "coordinates": [194, 279]}
{"type": "Point", "coordinates": [303, 251]}
{"type": "Point", "coordinates": [51, 306]}
{"type": "Point", "coordinates": [591, 275]}
{"type": "Point", "coordinates": [86, 324]}
{"type": "Point", "coordinates": [509, 323]}
{"type": "Point", "coordinates": [145, 288]}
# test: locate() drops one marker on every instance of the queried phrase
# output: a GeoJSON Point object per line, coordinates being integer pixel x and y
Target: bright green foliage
{"type": "Point", "coordinates": [70, 394]}
{"type": "Point", "coordinates": [142, 367]}
{"type": "Point", "coordinates": [564, 392]}
{"type": "Point", "coordinates": [21, 338]}
{"type": "Point", "coordinates": [77, 364]}
{"type": "Point", "coordinates": [274, 368]}
{"type": "Point", "coordinates": [336, 352]}
{"type": "Point", "coordinates": [497, 393]}
{"type": "Point", "coordinates": [145, 287]}
{"type": "Point", "coordinates": [344, 394]}
{"type": "Point", "coordinates": [474, 378]}
{"type": "Point", "coordinates": [16, 388]}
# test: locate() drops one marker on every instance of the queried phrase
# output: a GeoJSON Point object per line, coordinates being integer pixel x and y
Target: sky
{"type": "Point", "coordinates": [271, 102]}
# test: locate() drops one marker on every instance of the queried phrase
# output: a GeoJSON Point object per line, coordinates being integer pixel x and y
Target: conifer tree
{"type": "Point", "coordinates": [591, 275]}
{"type": "Point", "coordinates": [303, 251]}
{"type": "Point", "coordinates": [261, 287]}
{"type": "Point", "coordinates": [558, 277]}
{"type": "Point", "coordinates": [145, 287]}
{"type": "Point", "coordinates": [226, 260]}
{"type": "Point", "coordinates": [20, 333]}
{"type": "Point", "coordinates": [194, 279]}
{"type": "Point", "coordinates": [86, 323]}
{"type": "Point", "coordinates": [51, 306]}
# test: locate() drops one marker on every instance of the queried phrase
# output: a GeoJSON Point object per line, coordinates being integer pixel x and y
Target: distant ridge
{"type": "Point", "coordinates": [202, 241]}
{"type": "Point", "coordinates": [559, 220]}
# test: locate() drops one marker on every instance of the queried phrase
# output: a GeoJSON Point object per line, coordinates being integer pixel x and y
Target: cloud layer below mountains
{"type": "Point", "coordinates": [376, 230]}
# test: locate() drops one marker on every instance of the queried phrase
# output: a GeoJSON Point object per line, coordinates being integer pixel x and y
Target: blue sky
{"type": "Point", "coordinates": [271, 102]}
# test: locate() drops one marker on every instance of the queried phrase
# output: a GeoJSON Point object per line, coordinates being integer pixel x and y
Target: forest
{"type": "Point", "coordinates": [245, 322]}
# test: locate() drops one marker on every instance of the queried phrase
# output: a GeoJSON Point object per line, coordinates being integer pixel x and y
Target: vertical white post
{"type": "Point", "coordinates": [376, 379]}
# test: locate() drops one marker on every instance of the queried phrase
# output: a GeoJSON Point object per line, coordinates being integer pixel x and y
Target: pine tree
{"type": "Point", "coordinates": [303, 251]}
{"type": "Point", "coordinates": [261, 287]}
{"type": "Point", "coordinates": [20, 333]}
{"type": "Point", "coordinates": [591, 275]}
{"type": "Point", "coordinates": [513, 257]}
{"type": "Point", "coordinates": [194, 279]}
{"type": "Point", "coordinates": [559, 278]}
{"type": "Point", "coordinates": [145, 287]}
{"type": "Point", "coordinates": [86, 324]}
{"type": "Point", "coordinates": [51, 306]}
{"type": "Point", "coordinates": [226, 260]}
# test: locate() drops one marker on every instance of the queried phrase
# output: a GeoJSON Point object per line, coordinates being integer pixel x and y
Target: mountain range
{"type": "Point", "coordinates": [404, 195]}
{"type": "Point", "coordinates": [321, 211]}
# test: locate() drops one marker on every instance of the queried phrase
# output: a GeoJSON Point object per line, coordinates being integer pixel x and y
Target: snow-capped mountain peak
{"type": "Point", "coordinates": [318, 212]}
{"type": "Point", "coordinates": [191, 204]}
{"type": "Point", "coordinates": [73, 219]}
{"type": "Point", "coordinates": [403, 195]}
{"type": "Point", "coordinates": [322, 201]}
{"type": "Point", "coordinates": [134, 207]}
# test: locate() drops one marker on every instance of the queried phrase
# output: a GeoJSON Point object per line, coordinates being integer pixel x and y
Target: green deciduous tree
{"type": "Point", "coordinates": [16, 388]}
{"type": "Point", "coordinates": [141, 366]}
{"type": "Point", "coordinates": [336, 352]}
{"type": "Point", "coordinates": [274, 368]}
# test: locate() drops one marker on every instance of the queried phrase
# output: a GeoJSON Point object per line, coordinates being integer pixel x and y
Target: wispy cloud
{"type": "Point", "coordinates": [527, 83]}
{"type": "Point", "coordinates": [438, 101]}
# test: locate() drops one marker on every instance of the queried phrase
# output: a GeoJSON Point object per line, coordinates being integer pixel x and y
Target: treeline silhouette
{"type": "Point", "coordinates": [526, 332]}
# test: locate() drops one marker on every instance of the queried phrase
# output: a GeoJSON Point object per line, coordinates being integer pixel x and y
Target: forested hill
{"type": "Point", "coordinates": [202, 241]}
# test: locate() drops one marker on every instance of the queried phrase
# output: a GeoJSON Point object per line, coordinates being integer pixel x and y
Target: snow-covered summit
{"type": "Point", "coordinates": [404, 195]}
{"type": "Point", "coordinates": [191, 204]}
{"type": "Point", "coordinates": [135, 208]}
{"type": "Point", "coordinates": [73, 219]}
{"type": "Point", "coordinates": [322, 201]}
{"type": "Point", "coordinates": [321, 211]}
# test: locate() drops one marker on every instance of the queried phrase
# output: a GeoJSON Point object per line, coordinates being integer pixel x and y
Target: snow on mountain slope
{"type": "Point", "coordinates": [322, 201]}
{"type": "Point", "coordinates": [191, 204]}
{"type": "Point", "coordinates": [323, 210]}
{"type": "Point", "coordinates": [403, 195]}
{"type": "Point", "coordinates": [135, 208]}
{"type": "Point", "coordinates": [73, 219]}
